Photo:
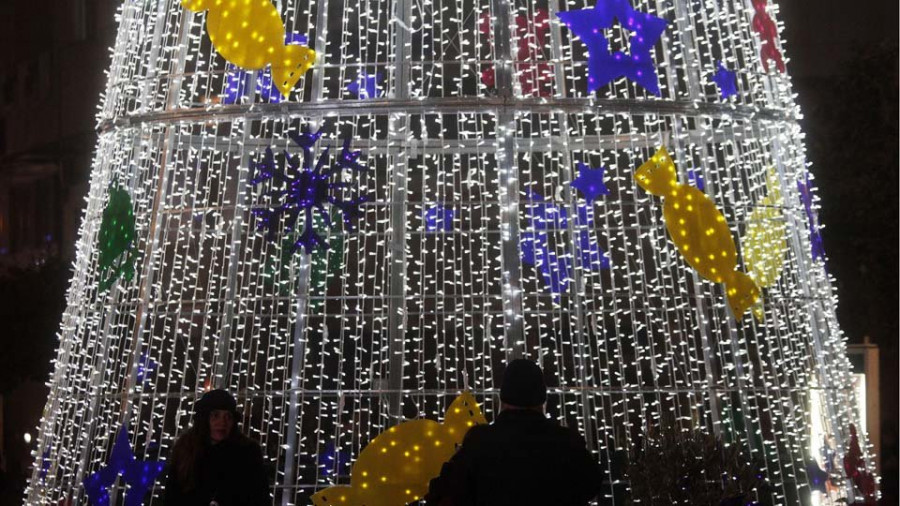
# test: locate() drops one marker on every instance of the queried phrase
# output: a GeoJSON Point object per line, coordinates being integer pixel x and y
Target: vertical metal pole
{"type": "Point", "coordinates": [298, 349]}
{"type": "Point", "coordinates": [156, 214]}
{"type": "Point", "coordinates": [574, 233]}
{"type": "Point", "coordinates": [298, 352]}
{"type": "Point", "coordinates": [514, 335]}
{"type": "Point", "coordinates": [709, 361]}
{"type": "Point", "coordinates": [694, 87]}
{"type": "Point", "coordinates": [221, 369]}
{"type": "Point", "coordinates": [398, 143]}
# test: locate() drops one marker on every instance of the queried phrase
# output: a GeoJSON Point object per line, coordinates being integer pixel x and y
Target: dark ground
{"type": "Point", "coordinates": [844, 64]}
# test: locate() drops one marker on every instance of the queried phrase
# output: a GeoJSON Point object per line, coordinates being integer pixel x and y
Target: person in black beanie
{"type": "Point", "coordinates": [213, 463]}
{"type": "Point", "coordinates": [521, 459]}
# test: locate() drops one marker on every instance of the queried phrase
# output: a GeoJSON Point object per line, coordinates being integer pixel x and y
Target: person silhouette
{"type": "Point", "coordinates": [522, 458]}
{"type": "Point", "coordinates": [213, 463]}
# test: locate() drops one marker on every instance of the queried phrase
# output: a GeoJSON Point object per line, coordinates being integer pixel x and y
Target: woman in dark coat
{"type": "Point", "coordinates": [213, 463]}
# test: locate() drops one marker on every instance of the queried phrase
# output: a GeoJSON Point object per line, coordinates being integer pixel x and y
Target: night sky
{"type": "Point", "coordinates": [822, 35]}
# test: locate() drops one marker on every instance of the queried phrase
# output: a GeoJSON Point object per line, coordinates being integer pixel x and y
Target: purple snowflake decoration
{"type": "Point", "coordinates": [557, 270]}
{"type": "Point", "coordinates": [300, 187]}
{"type": "Point", "coordinates": [815, 236]}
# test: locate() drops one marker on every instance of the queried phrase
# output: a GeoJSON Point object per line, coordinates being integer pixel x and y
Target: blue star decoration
{"type": "Point", "coordinates": [816, 475]}
{"type": "Point", "coordinates": [237, 87]}
{"type": "Point", "coordinates": [726, 80]}
{"type": "Point", "coordinates": [45, 463]}
{"type": "Point", "coordinates": [557, 270]}
{"type": "Point", "coordinates": [605, 66]}
{"type": "Point", "coordinates": [590, 182]}
{"type": "Point", "coordinates": [696, 178]}
{"type": "Point", "coordinates": [366, 86]}
{"type": "Point", "coordinates": [300, 187]}
{"type": "Point", "coordinates": [815, 235]}
{"type": "Point", "coordinates": [438, 218]}
{"type": "Point", "coordinates": [145, 368]}
{"type": "Point", "coordinates": [237, 81]}
{"type": "Point", "coordinates": [333, 463]}
{"type": "Point", "coordinates": [139, 475]}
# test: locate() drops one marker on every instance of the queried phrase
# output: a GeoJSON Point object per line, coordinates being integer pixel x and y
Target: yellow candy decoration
{"type": "Point", "coordinates": [249, 34]}
{"type": "Point", "coordinates": [764, 242]}
{"type": "Point", "coordinates": [394, 468]}
{"type": "Point", "coordinates": [698, 229]}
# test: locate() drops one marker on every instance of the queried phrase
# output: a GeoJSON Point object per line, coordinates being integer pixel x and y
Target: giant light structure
{"type": "Point", "coordinates": [472, 245]}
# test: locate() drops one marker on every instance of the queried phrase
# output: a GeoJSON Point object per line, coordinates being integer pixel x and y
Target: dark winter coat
{"type": "Point", "coordinates": [230, 473]}
{"type": "Point", "coordinates": [521, 459]}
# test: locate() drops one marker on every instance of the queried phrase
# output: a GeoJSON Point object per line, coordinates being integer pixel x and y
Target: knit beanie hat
{"type": "Point", "coordinates": [523, 384]}
{"type": "Point", "coordinates": [213, 400]}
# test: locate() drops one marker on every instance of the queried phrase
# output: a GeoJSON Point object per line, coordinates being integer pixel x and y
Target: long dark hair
{"type": "Point", "coordinates": [191, 446]}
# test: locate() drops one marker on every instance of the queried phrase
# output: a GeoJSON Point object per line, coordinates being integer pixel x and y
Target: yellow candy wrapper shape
{"type": "Point", "coordinates": [394, 468]}
{"type": "Point", "coordinates": [250, 34]}
{"type": "Point", "coordinates": [764, 243]}
{"type": "Point", "coordinates": [698, 229]}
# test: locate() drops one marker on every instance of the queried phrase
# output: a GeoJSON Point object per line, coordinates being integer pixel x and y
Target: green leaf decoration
{"type": "Point", "coordinates": [117, 232]}
{"type": "Point", "coordinates": [277, 270]}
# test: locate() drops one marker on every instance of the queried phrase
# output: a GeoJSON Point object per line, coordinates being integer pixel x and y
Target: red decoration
{"type": "Point", "coordinates": [535, 78]}
{"type": "Point", "coordinates": [855, 467]}
{"type": "Point", "coordinates": [768, 34]}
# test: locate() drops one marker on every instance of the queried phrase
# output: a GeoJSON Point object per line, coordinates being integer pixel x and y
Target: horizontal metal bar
{"type": "Point", "coordinates": [448, 105]}
{"type": "Point", "coordinates": [376, 393]}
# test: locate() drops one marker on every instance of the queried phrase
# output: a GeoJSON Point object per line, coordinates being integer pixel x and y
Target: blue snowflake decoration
{"type": "Point", "coordinates": [605, 66]}
{"type": "Point", "coordinates": [815, 235]}
{"type": "Point", "coordinates": [366, 86]}
{"type": "Point", "coordinates": [726, 80]}
{"type": "Point", "coordinates": [438, 218]}
{"type": "Point", "coordinates": [139, 475]}
{"type": "Point", "coordinates": [557, 269]}
{"type": "Point", "coordinates": [302, 186]}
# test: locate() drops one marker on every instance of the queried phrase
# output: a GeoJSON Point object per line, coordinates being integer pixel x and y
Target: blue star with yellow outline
{"type": "Point", "coordinates": [605, 66]}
